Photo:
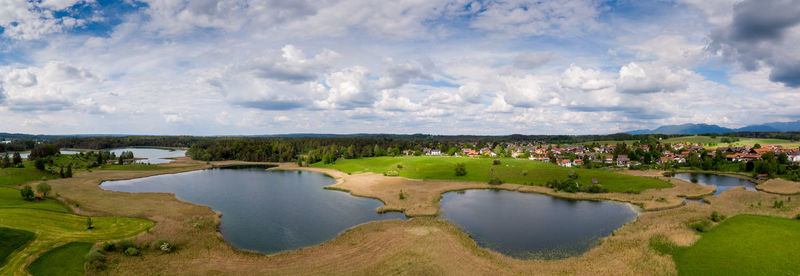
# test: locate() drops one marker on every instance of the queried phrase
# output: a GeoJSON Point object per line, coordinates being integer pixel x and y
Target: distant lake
{"type": "Point", "coordinates": [721, 182]}
{"type": "Point", "coordinates": [266, 211]}
{"type": "Point", "coordinates": [151, 155]}
{"type": "Point", "coordinates": [525, 225]}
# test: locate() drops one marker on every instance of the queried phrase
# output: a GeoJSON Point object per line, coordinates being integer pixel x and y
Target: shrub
{"type": "Point", "coordinates": [43, 188]}
{"type": "Point", "coordinates": [496, 162]}
{"type": "Point", "coordinates": [125, 244]}
{"type": "Point", "coordinates": [89, 224]}
{"type": "Point", "coordinates": [132, 251]}
{"type": "Point", "coordinates": [399, 166]}
{"type": "Point", "coordinates": [109, 246]}
{"type": "Point", "coordinates": [716, 217]}
{"type": "Point", "coordinates": [777, 204]}
{"type": "Point", "coordinates": [797, 216]}
{"type": "Point", "coordinates": [391, 173]}
{"type": "Point", "coordinates": [495, 181]}
{"type": "Point", "coordinates": [703, 225]}
{"type": "Point", "coordinates": [461, 169]}
{"type": "Point", "coordinates": [95, 259]}
{"type": "Point", "coordinates": [402, 195]}
{"type": "Point", "coordinates": [572, 175]}
{"type": "Point", "coordinates": [26, 192]}
{"type": "Point", "coordinates": [163, 245]}
{"type": "Point", "coordinates": [596, 188]}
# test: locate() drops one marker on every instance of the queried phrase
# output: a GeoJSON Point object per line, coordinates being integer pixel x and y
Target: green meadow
{"type": "Point", "coordinates": [744, 245]}
{"type": "Point", "coordinates": [519, 171]}
{"type": "Point", "coordinates": [65, 260]}
{"type": "Point", "coordinates": [11, 240]}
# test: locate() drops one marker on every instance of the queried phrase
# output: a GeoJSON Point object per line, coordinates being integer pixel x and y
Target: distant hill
{"type": "Point", "coordinates": [706, 128]}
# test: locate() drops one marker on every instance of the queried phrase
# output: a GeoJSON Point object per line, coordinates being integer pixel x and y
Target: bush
{"type": "Point", "coordinates": [26, 192]}
{"type": "Point", "coordinates": [402, 195]}
{"type": "Point", "coordinates": [125, 244]}
{"type": "Point", "coordinates": [777, 204]}
{"type": "Point", "coordinates": [43, 188]}
{"type": "Point", "coordinates": [572, 175]}
{"type": "Point", "coordinates": [109, 246]}
{"type": "Point", "coordinates": [95, 259]}
{"type": "Point", "coordinates": [596, 188]}
{"type": "Point", "coordinates": [495, 181]}
{"type": "Point", "coordinates": [391, 173]}
{"type": "Point", "coordinates": [132, 251]}
{"type": "Point", "coordinates": [797, 217]}
{"type": "Point", "coordinates": [461, 169]}
{"type": "Point", "coordinates": [703, 225]}
{"type": "Point", "coordinates": [496, 162]}
{"type": "Point", "coordinates": [716, 217]}
{"type": "Point", "coordinates": [162, 245]}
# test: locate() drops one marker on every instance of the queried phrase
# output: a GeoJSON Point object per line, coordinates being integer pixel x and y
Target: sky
{"type": "Point", "coordinates": [199, 67]}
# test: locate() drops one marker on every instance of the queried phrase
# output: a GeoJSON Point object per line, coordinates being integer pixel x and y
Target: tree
{"type": "Point", "coordinates": [43, 188]}
{"type": "Point", "coordinates": [39, 164]}
{"type": "Point", "coordinates": [757, 146]}
{"type": "Point", "coordinates": [69, 171]}
{"type": "Point", "coordinates": [461, 169]}
{"type": "Point", "coordinates": [17, 158]}
{"type": "Point", "coordinates": [61, 172]}
{"type": "Point", "coordinates": [89, 223]}
{"type": "Point", "coordinates": [6, 162]}
{"type": "Point", "coordinates": [26, 192]}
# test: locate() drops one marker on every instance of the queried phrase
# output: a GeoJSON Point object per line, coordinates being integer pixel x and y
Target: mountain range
{"type": "Point", "coordinates": [706, 128]}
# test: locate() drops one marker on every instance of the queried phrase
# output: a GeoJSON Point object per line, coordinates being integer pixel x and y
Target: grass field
{"type": "Point", "coordinates": [65, 260]}
{"type": "Point", "coordinates": [17, 176]}
{"type": "Point", "coordinates": [519, 171]}
{"type": "Point", "coordinates": [10, 240]}
{"type": "Point", "coordinates": [55, 228]}
{"type": "Point", "coordinates": [139, 167]}
{"type": "Point", "coordinates": [608, 142]}
{"type": "Point", "coordinates": [10, 198]}
{"type": "Point", "coordinates": [717, 142]}
{"type": "Point", "coordinates": [744, 245]}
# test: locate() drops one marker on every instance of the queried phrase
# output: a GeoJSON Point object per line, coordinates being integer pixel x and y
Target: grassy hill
{"type": "Point", "coordinates": [717, 141]}
{"type": "Point", "coordinates": [519, 171]}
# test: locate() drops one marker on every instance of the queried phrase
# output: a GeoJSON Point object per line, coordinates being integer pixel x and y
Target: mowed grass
{"type": "Point", "coordinates": [744, 245]}
{"type": "Point", "coordinates": [65, 260]}
{"type": "Point", "coordinates": [56, 228]}
{"type": "Point", "coordinates": [519, 171]}
{"type": "Point", "coordinates": [141, 167]}
{"type": "Point", "coordinates": [10, 240]}
{"type": "Point", "coordinates": [18, 176]}
{"type": "Point", "coordinates": [10, 198]}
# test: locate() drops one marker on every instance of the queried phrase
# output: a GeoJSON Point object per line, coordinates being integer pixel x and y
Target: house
{"type": "Point", "coordinates": [665, 159]}
{"type": "Point", "coordinates": [794, 157]}
{"type": "Point", "coordinates": [609, 159]}
{"type": "Point", "coordinates": [742, 157]}
{"type": "Point", "coordinates": [623, 160]}
{"type": "Point", "coordinates": [408, 152]}
{"type": "Point", "coordinates": [565, 163]}
{"type": "Point", "coordinates": [469, 152]}
{"type": "Point", "coordinates": [577, 162]}
{"type": "Point", "coordinates": [434, 152]}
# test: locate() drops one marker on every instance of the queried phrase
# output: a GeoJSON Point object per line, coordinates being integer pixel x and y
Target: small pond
{"type": "Point", "coordinates": [721, 182]}
{"type": "Point", "coordinates": [525, 225]}
{"type": "Point", "coordinates": [151, 155]}
{"type": "Point", "coordinates": [266, 211]}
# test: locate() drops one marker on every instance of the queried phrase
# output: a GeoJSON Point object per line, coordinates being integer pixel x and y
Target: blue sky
{"type": "Point", "coordinates": [408, 66]}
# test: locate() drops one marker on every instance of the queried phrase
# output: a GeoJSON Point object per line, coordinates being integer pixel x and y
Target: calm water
{"type": "Point", "coordinates": [721, 182]}
{"type": "Point", "coordinates": [266, 211]}
{"type": "Point", "coordinates": [152, 155]}
{"type": "Point", "coordinates": [525, 225]}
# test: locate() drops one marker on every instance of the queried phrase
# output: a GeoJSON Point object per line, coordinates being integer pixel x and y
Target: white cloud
{"type": "Point", "coordinates": [349, 88]}
{"type": "Point", "coordinates": [523, 17]}
{"type": "Point", "coordinates": [23, 19]}
{"type": "Point", "coordinates": [649, 78]}
{"type": "Point", "coordinates": [54, 86]}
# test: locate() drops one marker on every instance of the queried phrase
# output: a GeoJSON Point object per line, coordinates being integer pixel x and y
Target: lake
{"type": "Point", "coordinates": [266, 211]}
{"type": "Point", "coordinates": [721, 182]}
{"type": "Point", "coordinates": [525, 225]}
{"type": "Point", "coordinates": [151, 155]}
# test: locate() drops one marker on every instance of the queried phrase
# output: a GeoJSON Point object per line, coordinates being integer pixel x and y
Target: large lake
{"type": "Point", "coordinates": [151, 155]}
{"type": "Point", "coordinates": [266, 211]}
{"type": "Point", "coordinates": [721, 182]}
{"type": "Point", "coordinates": [525, 225]}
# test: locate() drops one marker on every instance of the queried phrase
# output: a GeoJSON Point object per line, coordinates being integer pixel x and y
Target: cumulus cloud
{"type": "Point", "coordinates": [672, 50]}
{"type": "Point", "coordinates": [53, 86]}
{"type": "Point", "coordinates": [576, 77]}
{"type": "Point", "coordinates": [349, 88]}
{"type": "Point", "coordinates": [23, 19]}
{"type": "Point", "coordinates": [648, 78]}
{"type": "Point", "coordinates": [763, 32]}
{"type": "Point", "coordinates": [398, 74]}
{"type": "Point", "coordinates": [292, 65]}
